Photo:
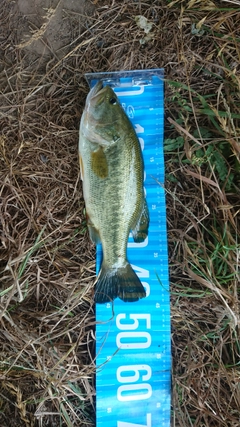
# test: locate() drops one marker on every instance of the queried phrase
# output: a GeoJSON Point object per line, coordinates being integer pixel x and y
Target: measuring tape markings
{"type": "Point", "coordinates": [133, 386]}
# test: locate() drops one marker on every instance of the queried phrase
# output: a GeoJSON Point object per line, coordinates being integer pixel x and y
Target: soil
{"type": "Point", "coordinates": [52, 21]}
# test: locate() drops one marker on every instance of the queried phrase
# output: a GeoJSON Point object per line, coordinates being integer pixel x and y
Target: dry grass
{"type": "Point", "coordinates": [47, 261]}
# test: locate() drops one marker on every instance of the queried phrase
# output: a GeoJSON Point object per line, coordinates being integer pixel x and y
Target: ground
{"type": "Point", "coordinates": [47, 263]}
{"type": "Point", "coordinates": [46, 26]}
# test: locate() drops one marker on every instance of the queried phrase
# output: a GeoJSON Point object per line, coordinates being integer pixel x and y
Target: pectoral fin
{"type": "Point", "coordinates": [140, 229]}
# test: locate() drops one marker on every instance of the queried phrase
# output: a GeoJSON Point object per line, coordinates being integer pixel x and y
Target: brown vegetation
{"type": "Point", "coordinates": [46, 260]}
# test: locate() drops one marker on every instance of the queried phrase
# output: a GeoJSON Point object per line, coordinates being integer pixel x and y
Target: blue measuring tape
{"type": "Point", "coordinates": [133, 353]}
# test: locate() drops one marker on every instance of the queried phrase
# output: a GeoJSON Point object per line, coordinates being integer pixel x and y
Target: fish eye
{"type": "Point", "coordinates": [113, 101]}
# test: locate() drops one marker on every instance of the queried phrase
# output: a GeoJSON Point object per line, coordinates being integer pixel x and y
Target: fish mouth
{"type": "Point", "coordinates": [90, 122]}
{"type": "Point", "coordinates": [95, 91]}
{"type": "Point", "coordinates": [91, 100]}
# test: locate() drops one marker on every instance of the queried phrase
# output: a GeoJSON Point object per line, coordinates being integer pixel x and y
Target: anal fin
{"type": "Point", "coordinates": [93, 232]}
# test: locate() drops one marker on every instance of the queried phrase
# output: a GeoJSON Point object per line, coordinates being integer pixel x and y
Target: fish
{"type": "Point", "coordinates": [112, 173]}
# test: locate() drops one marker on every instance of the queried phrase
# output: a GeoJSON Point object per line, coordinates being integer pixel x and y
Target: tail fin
{"type": "Point", "coordinates": [122, 282]}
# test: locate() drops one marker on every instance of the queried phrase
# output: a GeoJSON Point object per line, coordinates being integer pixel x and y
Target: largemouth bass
{"type": "Point", "coordinates": [112, 170]}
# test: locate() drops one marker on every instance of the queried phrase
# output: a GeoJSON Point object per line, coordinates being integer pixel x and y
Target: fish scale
{"type": "Point", "coordinates": [114, 235]}
{"type": "Point", "coordinates": [133, 354]}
